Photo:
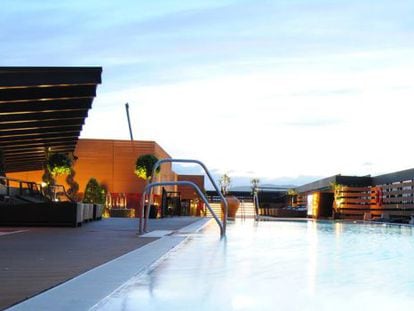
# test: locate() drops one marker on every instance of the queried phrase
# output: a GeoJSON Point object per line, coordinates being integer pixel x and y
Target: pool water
{"type": "Point", "coordinates": [280, 266]}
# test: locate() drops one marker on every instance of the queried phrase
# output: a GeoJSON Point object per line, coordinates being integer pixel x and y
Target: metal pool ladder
{"type": "Point", "coordinates": [143, 223]}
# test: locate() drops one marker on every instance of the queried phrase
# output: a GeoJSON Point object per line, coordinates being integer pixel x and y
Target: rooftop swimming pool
{"type": "Point", "coordinates": [279, 266]}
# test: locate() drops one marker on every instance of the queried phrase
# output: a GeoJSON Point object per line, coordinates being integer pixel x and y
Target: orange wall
{"type": "Point", "coordinates": [189, 193]}
{"type": "Point", "coordinates": [29, 176]}
{"type": "Point", "coordinates": [112, 163]}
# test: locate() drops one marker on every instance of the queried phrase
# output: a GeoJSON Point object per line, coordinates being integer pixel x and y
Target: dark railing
{"type": "Point", "coordinates": [20, 187]}
{"type": "Point", "coordinates": [217, 199]}
{"type": "Point", "coordinates": [12, 187]}
{"type": "Point", "coordinates": [57, 192]}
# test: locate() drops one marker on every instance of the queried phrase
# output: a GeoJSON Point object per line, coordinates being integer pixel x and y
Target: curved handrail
{"type": "Point", "coordinates": [256, 206]}
{"type": "Point", "coordinates": [55, 187]}
{"type": "Point", "coordinates": [169, 160]}
{"type": "Point", "coordinates": [176, 183]}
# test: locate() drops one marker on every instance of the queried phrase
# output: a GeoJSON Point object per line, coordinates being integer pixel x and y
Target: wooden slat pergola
{"type": "Point", "coordinates": [41, 109]}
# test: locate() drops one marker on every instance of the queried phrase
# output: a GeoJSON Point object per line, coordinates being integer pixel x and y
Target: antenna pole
{"type": "Point", "coordinates": [129, 121]}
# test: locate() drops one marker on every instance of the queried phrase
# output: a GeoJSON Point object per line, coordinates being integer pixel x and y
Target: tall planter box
{"type": "Point", "coordinates": [121, 212]}
{"type": "Point", "coordinates": [79, 213]}
{"type": "Point", "coordinates": [97, 211]}
{"type": "Point", "coordinates": [87, 211]}
{"type": "Point", "coordinates": [153, 212]}
{"type": "Point", "coordinates": [41, 214]}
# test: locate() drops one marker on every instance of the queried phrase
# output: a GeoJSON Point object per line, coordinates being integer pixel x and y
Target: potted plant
{"type": "Point", "coordinates": [143, 169]}
{"type": "Point", "coordinates": [233, 203]}
{"type": "Point", "coordinates": [73, 189]}
{"type": "Point", "coordinates": [59, 164]}
{"type": "Point", "coordinates": [95, 195]}
{"type": "Point", "coordinates": [56, 164]}
{"type": "Point", "coordinates": [254, 182]}
{"type": "Point", "coordinates": [292, 195]}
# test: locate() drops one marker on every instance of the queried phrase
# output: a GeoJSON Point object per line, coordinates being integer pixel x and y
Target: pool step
{"type": "Point", "coordinates": [246, 210]}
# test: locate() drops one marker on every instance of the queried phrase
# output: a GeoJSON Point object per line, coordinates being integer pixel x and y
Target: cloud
{"type": "Point", "coordinates": [187, 169]}
{"type": "Point", "coordinates": [264, 88]}
{"type": "Point", "coordinates": [324, 92]}
{"type": "Point", "coordinates": [367, 163]}
{"type": "Point", "coordinates": [290, 182]}
{"type": "Point", "coordinates": [315, 123]}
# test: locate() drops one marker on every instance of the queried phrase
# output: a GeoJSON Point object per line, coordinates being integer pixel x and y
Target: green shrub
{"type": "Point", "coordinates": [59, 164]}
{"type": "Point", "coordinates": [144, 165]}
{"type": "Point", "coordinates": [94, 192]}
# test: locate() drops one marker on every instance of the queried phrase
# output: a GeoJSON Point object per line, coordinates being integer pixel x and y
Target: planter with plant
{"type": "Point", "coordinates": [233, 203]}
{"type": "Point", "coordinates": [59, 164]}
{"type": "Point", "coordinates": [56, 164]}
{"type": "Point", "coordinates": [95, 196]}
{"type": "Point", "coordinates": [73, 190]}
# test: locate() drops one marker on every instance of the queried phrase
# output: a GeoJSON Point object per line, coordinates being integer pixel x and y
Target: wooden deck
{"type": "Point", "coordinates": [35, 259]}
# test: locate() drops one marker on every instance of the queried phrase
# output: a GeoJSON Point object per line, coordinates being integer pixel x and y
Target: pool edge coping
{"type": "Point", "coordinates": [86, 290]}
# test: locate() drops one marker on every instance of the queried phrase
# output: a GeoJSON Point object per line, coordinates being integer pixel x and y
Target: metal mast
{"type": "Point", "coordinates": [129, 121]}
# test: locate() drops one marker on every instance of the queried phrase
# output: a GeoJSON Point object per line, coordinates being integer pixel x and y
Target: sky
{"type": "Point", "coordinates": [287, 91]}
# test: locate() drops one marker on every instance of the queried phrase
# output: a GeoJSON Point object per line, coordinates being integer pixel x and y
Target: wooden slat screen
{"type": "Point", "coordinates": [355, 200]}
{"type": "Point", "coordinates": [396, 199]}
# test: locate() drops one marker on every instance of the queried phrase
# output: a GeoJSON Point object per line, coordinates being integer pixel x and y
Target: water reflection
{"type": "Point", "coordinates": [312, 238]}
{"type": "Point", "coordinates": [339, 228]}
{"type": "Point", "coordinates": [281, 265]}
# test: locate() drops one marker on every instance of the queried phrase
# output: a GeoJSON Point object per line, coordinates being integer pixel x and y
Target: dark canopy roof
{"type": "Point", "coordinates": [43, 108]}
{"type": "Point", "coordinates": [326, 183]}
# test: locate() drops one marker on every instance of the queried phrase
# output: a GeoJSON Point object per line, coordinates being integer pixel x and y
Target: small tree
{"type": "Point", "coordinates": [143, 169]}
{"type": "Point", "coordinates": [94, 192]}
{"type": "Point", "coordinates": [47, 177]}
{"type": "Point", "coordinates": [59, 164]}
{"type": "Point", "coordinates": [73, 185]}
{"type": "Point", "coordinates": [292, 193]}
{"type": "Point", "coordinates": [225, 182]}
{"type": "Point", "coordinates": [254, 182]}
{"type": "Point", "coordinates": [144, 165]}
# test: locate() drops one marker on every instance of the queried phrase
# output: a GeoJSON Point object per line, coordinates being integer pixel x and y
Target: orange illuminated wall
{"type": "Point", "coordinates": [112, 163]}
{"type": "Point", "coordinates": [189, 193]}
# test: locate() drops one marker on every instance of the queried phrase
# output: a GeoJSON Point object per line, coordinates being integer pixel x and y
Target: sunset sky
{"type": "Point", "coordinates": [285, 90]}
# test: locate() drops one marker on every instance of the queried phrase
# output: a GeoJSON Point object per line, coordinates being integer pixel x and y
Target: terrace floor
{"type": "Point", "coordinates": [34, 259]}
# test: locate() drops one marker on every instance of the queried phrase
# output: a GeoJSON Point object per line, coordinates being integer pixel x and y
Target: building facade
{"type": "Point", "coordinates": [112, 163]}
{"type": "Point", "coordinates": [389, 196]}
